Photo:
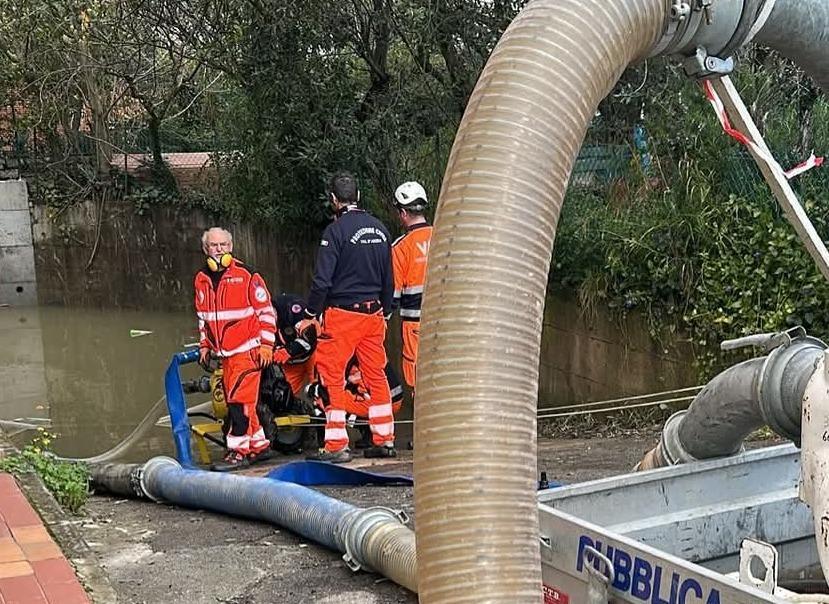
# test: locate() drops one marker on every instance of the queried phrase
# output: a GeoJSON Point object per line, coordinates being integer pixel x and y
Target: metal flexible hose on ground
{"type": "Point", "coordinates": [372, 538]}
{"type": "Point", "coordinates": [477, 526]}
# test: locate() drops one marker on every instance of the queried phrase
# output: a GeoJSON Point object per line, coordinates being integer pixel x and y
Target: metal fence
{"type": "Point", "coordinates": [610, 161]}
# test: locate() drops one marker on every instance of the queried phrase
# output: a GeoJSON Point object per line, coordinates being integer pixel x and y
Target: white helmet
{"type": "Point", "coordinates": [410, 196]}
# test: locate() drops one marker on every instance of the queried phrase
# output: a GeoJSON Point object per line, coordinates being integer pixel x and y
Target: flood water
{"type": "Point", "coordinates": [94, 374]}
{"type": "Point", "coordinates": [82, 370]}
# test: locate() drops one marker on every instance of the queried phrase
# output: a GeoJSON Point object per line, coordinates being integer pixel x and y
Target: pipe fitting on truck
{"type": "Point", "coordinates": [762, 391]}
{"type": "Point", "coordinates": [783, 381]}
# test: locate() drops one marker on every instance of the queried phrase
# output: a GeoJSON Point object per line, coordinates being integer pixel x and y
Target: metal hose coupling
{"type": "Point", "coordinates": [706, 33]}
{"type": "Point", "coordinates": [145, 475]}
{"type": "Point", "coordinates": [671, 448]}
{"type": "Point", "coordinates": [669, 451]}
{"type": "Point", "coordinates": [784, 378]}
{"type": "Point", "coordinates": [361, 525]}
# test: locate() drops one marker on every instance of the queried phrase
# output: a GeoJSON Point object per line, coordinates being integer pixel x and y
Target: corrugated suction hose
{"type": "Point", "coordinates": [371, 538]}
{"type": "Point", "coordinates": [477, 517]}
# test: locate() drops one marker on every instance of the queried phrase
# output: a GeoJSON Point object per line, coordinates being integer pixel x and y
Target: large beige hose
{"type": "Point", "coordinates": [477, 517]}
{"type": "Point", "coordinates": [814, 459]}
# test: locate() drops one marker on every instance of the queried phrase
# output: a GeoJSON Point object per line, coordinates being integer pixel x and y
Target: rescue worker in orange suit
{"type": "Point", "coordinates": [294, 351]}
{"type": "Point", "coordinates": [236, 323]}
{"type": "Point", "coordinates": [359, 398]}
{"type": "Point", "coordinates": [409, 255]}
{"type": "Point", "coordinates": [352, 290]}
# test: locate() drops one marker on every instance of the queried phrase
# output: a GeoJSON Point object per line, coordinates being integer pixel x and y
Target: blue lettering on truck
{"type": "Point", "coordinates": [646, 581]}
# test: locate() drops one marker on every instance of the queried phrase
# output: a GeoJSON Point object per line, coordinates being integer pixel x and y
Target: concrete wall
{"type": "Point", "coordinates": [17, 262]}
{"type": "Point", "coordinates": [147, 262]}
{"type": "Point", "coordinates": [109, 256]}
{"type": "Point", "coordinates": [587, 357]}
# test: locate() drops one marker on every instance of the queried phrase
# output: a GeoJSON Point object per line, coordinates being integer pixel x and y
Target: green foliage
{"type": "Point", "coordinates": [68, 482]}
{"type": "Point", "coordinates": [695, 241]}
{"type": "Point", "coordinates": [282, 94]}
{"type": "Point", "coordinates": [716, 267]}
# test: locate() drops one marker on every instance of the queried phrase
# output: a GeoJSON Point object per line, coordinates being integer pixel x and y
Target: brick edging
{"type": "Point", "coordinates": [62, 528]}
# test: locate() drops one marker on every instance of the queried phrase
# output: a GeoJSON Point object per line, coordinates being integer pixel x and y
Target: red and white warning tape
{"type": "Point", "coordinates": [812, 162]}
{"type": "Point", "coordinates": [719, 108]}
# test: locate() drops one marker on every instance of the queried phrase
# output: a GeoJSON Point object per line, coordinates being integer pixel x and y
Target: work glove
{"type": "Point", "coordinates": [305, 324]}
{"type": "Point", "coordinates": [281, 356]}
{"type": "Point", "coordinates": [204, 358]}
{"type": "Point", "coordinates": [265, 355]}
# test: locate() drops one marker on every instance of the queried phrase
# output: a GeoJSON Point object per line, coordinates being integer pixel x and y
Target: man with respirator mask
{"type": "Point", "coordinates": [237, 324]}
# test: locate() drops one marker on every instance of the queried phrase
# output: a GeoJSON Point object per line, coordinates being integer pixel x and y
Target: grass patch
{"type": "Point", "coordinates": [68, 482]}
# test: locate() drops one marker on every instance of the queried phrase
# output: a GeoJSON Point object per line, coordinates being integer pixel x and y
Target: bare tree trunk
{"type": "Point", "coordinates": [94, 100]}
{"type": "Point", "coordinates": [154, 127]}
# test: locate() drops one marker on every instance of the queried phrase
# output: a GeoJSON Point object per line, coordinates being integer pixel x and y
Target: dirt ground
{"type": "Point", "coordinates": [161, 554]}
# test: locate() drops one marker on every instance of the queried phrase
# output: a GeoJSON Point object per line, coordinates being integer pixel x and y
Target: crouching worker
{"type": "Point", "coordinates": [358, 404]}
{"type": "Point", "coordinates": [236, 323]}
{"type": "Point", "coordinates": [294, 351]}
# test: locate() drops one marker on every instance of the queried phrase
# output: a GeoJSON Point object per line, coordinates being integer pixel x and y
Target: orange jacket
{"type": "Point", "coordinates": [409, 254]}
{"type": "Point", "coordinates": [234, 310]}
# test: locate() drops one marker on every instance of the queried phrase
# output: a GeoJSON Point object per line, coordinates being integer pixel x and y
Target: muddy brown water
{"type": "Point", "coordinates": [81, 369]}
{"type": "Point", "coordinates": [84, 371]}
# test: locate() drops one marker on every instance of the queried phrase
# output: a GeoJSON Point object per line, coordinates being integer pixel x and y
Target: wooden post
{"type": "Point", "coordinates": [741, 120]}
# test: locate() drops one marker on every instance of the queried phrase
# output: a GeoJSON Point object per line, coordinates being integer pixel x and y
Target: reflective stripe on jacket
{"type": "Point", "coordinates": [409, 254]}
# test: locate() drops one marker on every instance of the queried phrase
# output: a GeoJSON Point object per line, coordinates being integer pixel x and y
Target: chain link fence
{"type": "Point", "coordinates": [611, 163]}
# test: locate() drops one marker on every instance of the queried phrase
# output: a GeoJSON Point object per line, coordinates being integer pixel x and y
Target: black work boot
{"type": "Point", "coordinates": [341, 456]}
{"type": "Point", "coordinates": [386, 450]}
{"type": "Point", "coordinates": [232, 461]}
{"type": "Point", "coordinates": [365, 438]}
{"type": "Point", "coordinates": [262, 455]}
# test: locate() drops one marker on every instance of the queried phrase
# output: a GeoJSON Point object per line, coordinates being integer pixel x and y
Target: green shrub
{"type": "Point", "coordinates": [68, 482]}
{"type": "Point", "coordinates": [696, 260]}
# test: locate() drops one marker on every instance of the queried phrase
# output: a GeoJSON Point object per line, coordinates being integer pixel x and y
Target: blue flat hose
{"type": "Point", "coordinates": [177, 405]}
